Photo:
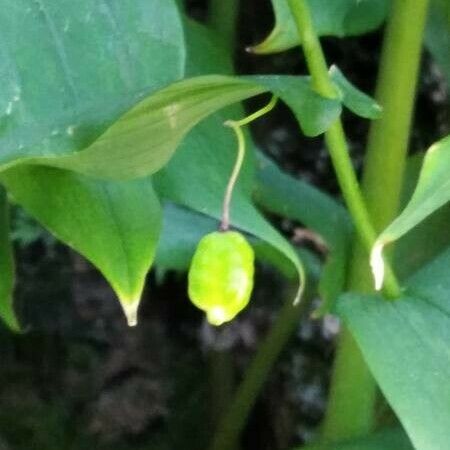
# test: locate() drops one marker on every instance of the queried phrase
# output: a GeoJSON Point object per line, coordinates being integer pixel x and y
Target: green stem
{"type": "Point", "coordinates": [236, 126]}
{"type": "Point", "coordinates": [389, 136]}
{"type": "Point", "coordinates": [225, 222]}
{"type": "Point", "coordinates": [335, 137]}
{"type": "Point", "coordinates": [353, 391]}
{"type": "Point", "coordinates": [223, 15]}
{"type": "Point", "coordinates": [235, 417]}
{"type": "Point", "coordinates": [351, 407]}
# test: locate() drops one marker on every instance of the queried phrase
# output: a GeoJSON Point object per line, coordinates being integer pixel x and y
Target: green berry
{"type": "Point", "coordinates": [221, 275]}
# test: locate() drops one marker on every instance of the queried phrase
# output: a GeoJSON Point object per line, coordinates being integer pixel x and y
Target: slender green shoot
{"type": "Point", "coordinates": [236, 126]}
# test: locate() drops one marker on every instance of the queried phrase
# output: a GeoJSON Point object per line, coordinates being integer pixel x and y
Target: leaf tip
{"type": "Point", "coordinates": [130, 309]}
{"type": "Point", "coordinates": [263, 48]}
{"type": "Point", "coordinates": [377, 264]}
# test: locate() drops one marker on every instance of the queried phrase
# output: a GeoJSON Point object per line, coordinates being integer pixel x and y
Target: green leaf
{"type": "Point", "coordinates": [331, 18]}
{"type": "Point", "coordinates": [114, 225]}
{"type": "Point", "coordinates": [146, 137]}
{"type": "Point", "coordinates": [426, 240]}
{"type": "Point", "coordinates": [71, 130]}
{"type": "Point", "coordinates": [197, 175]}
{"type": "Point", "coordinates": [355, 100]}
{"type": "Point", "coordinates": [405, 344]}
{"type": "Point", "coordinates": [180, 235]}
{"type": "Point", "coordinates": [437, 34]}
{"type": "Point", "coordinates": [206, 53]}
{"type": "Point", "coordinates": [95, 59]}
{"type": "Point", "coordinates": [432, 192]}
{"type": "Point", "coordinates": [6, 267]}
{"type": "Point", "coordinates": [388, 439]}
{"type": "Point", "coordinates": [183, 229]}
{"type": "Point", "coordinates": [281, 194]}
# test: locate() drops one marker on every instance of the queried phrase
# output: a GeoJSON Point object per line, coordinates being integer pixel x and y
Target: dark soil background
{"type": "Point", "coordinates": [80, 379]}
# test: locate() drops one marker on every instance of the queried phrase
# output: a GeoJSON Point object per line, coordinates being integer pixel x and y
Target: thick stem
{"type": "Point", "coordinates": [335, 137]}
{"type": "Point", "coordinates": [353, 392]}
{"type": "Point", "coordinates": [256, 375]}
{"type": "Point", "coordinates": [222, 18]}
{"type": "Point", "coordinates": [389, 136]}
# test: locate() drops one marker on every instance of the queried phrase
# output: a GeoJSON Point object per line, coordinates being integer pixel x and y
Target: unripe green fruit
{"type": "Point", "coordinates": [221, 275]}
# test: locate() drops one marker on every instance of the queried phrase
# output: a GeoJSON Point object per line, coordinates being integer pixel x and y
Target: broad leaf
{"type": "Point", "coordinates": [146, 137]}
{"type": "Point", "coordinates": [114, 225]}
{"type": "Point", "coordinates": [206, 53]}
{"type": "Point", "coordinates": [427, 239]}
{"type": "Point", "coordinates": [331, 18]}
{"type": "Point", "coordinates": [432, 192]}
{"type": "Point", "coordinates": [95, 60]}
{"type": "Point", "coordinates": [182, 230]}
{"type": "Point", "coordinates": [405, 343]}
{"type": "Point", "coordinates": [6, 267]}
{"type": "Point", "coordinates": [281, 194]}
{"type": "Point", "coordinates": [70, 69]}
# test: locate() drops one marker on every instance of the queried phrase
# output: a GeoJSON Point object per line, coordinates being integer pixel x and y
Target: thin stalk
{"type": "Point", "coordinates": [222, 18]}
{"type": "Point", "coordinates": [221, 366]}
{"type": "Point", "coordinates": [386, 155]}
{"type": "Point", "coordinates": [225, 222]}
{"type": "Point", "coordinates": [335, 137]}
{"type": "Point", "coordinates": [235, 418]}
{"type": "Point", "coordinates": [236, 126]}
